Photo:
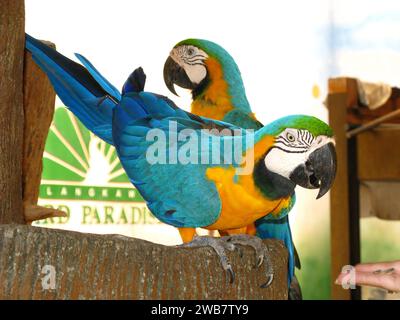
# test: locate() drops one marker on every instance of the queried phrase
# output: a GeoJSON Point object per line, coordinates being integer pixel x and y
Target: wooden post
{"type": "Point", "coordinates": [343, 204]}
{"type": "Point", "coordinates": [12, 43]}
{"type": "Point", "coordinates": [39, 263]}
{"type": "Point", "coordinates": [362, 155]}
{"type": "Point", "coordinates": [339, 208]}
{"type": "Point", "coordinates": [39, 101]}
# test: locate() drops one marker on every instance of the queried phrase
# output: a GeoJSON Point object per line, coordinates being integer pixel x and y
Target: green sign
{"type": "Point", "coordinates": [83, 177]}
{"type": "Point", "coordinates": [77, 165]}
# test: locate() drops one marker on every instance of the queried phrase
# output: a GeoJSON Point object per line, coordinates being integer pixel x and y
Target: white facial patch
{"type": "Point", "coordinates": [282, 162]}
{"type": "Point", "coordinates": [191, 59]}
{"type": "Point", "coordinates": [196, 73]}
{"type": "Point", "coordinates": [291, 149]}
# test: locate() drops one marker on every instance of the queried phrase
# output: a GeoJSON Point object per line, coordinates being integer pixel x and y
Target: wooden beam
{"type": "Point", "coordinates": [374, 123]}
{"type": "Point", "coordinates": [344, 210]}
{"type": "Point", "coordinates": [12, 43]}
{"type": "Point", "coordinates": [39, 102]}
{"type": "Point", "coordinates": [339, 194]}
{"type": "Point", "coordinates": [39, 263]}
{"type": "Point", "coordinates": [347, 86]}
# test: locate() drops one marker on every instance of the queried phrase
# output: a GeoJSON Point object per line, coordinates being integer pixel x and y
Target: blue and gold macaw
{"type": "Point", "coordinates": [191, 193]}
{"type": "Point", "coordinates": [214, 79]}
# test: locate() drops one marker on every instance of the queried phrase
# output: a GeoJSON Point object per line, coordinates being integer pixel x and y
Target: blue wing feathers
{"type": "Point", "coordinates": [77, 88]}
{"type": "Point", "coordinates": [103, 82]}
{"type": "Point", "coordinates": [135, 82]}
{"type": "Point", "coordinates": [153, 180]}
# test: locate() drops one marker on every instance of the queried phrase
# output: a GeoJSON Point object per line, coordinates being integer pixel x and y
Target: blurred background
{"type": "Point", "coordinates": [286, 51]}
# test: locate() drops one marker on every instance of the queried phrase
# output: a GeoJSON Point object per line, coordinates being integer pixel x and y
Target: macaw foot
{"type": "Point", "coordinates": [220, 245]}
{"type": "Point", "coordinates": [261, 250]}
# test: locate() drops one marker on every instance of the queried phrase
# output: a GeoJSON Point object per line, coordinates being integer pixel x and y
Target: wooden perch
{"type": "Point", "coordinates": [40, 263]}
{"type": "Point", "coordinates": [11, 109]}
{"type": "Point", "coordinates": [26, 110]}
{"type": "Point", "coordinates": [39, 101]}
{"type": "Point", "coordinates": [34, 212]}
{"type": "Point", "coordinates": [373, 124]}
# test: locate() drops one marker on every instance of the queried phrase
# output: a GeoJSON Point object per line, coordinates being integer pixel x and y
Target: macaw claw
{"type": "Point", "coordinates": [260, 261]}
{"type": "Point", "coordinates": [260, 249]}
{"type": "Point", "coordinates": [252, 241]}
{"type": "Point", "coordinates": [231, 274]}
{"type": "Point", "coordinates": [220, 245]}
{"type": "Point", "coordinates": [268, 282]}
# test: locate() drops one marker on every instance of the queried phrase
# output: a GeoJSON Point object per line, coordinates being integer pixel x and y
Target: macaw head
{"type": "Point", "coordinates": [192, 63]}
{"type": "Point", "coordinates": [303, 153]}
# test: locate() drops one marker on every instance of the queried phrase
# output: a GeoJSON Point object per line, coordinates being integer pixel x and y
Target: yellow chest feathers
{"type": "Point", "coordinates": [214, 102]}
{"type": "Point", "coordinates": [242, 202]}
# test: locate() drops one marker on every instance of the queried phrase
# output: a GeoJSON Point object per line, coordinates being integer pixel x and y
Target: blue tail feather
{"type": "Point", "coordinates": [105, 84]}
{"type": "Point", "coordinates": [279, 229]}
{"type": "Point", "coordinates": [77, 88]}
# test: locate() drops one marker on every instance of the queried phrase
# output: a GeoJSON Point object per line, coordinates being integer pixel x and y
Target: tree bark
{"type": "Point", "coordinates": [11, 109]}
{"type": "Point", "coordinates": [39, 102]}
{"type": "Point", "coordinates": [89, 266]}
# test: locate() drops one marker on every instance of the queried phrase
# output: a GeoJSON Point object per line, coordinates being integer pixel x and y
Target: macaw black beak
{"type": "Point", "coordinates": [319, 170]}
{"type": "Point", "coordinates": [175, 74]}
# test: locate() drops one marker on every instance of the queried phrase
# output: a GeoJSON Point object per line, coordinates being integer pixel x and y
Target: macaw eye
{"type": "Point", "coordinates": [290, 137]}
{"type": "Point", "coordinates": [190, 52]}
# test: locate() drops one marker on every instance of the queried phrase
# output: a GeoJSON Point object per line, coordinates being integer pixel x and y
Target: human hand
{"type": "Point", "coordinates": [385, 275]}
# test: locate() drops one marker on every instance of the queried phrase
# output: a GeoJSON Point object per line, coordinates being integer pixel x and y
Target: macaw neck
{"type": "Point", "coordinates": [270, 184]}
{"type": "Point", "coordinates": [273, 186]}
{"type": "Point", "coordinates": [212, 98]}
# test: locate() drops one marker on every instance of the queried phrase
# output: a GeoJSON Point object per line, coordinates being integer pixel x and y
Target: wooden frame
{"type": "Point", "coordinates": [367, 156]}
